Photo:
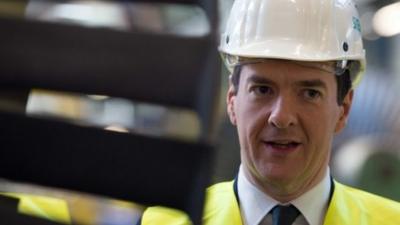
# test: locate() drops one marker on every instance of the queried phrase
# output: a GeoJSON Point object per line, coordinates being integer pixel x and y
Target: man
{"type": "Point", "coordinates": [294, 65]}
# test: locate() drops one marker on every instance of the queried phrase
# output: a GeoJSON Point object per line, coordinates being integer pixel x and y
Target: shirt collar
{"type": "Point", "coordinates": [314, 203]}
{"type": "Point", "coordinates": [255, 204]}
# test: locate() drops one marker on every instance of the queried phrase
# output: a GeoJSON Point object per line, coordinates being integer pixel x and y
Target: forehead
{"type": "Point", "coordinates": [288, 71]}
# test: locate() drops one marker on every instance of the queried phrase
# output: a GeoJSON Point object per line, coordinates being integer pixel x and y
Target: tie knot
{"type": "Point", "coordinates": [284, 215]}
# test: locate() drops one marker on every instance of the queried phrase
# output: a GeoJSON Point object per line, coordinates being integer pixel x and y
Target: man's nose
{"type": "Point", "coordinates": [282, 114]}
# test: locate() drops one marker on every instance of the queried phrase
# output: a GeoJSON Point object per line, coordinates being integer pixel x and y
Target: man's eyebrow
{"type": "Point", "coordinates": [312, 83]}
{"type": "Point", "coordinates": [303, 83]}
{"type": "Point", "coordinates": [258, 79]}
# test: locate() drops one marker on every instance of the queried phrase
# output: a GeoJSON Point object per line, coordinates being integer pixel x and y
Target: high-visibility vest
{"type": "Point", "coordinates": [348, 206]}
{"type": "Point", "coordinates": [48, 208]}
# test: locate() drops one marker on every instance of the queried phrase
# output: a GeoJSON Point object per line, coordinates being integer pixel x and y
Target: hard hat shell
{"type": "Point", "coordinates": [300, 30]}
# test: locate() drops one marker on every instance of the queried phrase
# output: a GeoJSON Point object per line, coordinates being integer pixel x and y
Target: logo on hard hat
{"type": "Point", "coordinates": [356, 24]}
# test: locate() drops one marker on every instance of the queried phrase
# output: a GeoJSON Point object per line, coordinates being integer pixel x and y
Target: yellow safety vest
{"type": "Point", "coordinates": [348, 206]}
{"type": "Point", "coordinates": [44, 207]}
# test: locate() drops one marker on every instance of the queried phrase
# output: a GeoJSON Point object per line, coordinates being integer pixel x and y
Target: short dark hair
{"type": "Point", "coordinates": [343, 83]}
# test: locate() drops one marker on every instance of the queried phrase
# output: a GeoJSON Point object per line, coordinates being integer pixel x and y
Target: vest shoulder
{"type": "Point", "coordinates": [162, 215]}
{"type": "Point", "coordinates": [220, 209]}
{"type": "Point", "coordinates": [219, 193]}
{"type": "Point", "coordinates": [368, 199]}
{"type": "Point", "coordinates": [221, 205]}
{"type": "Point", "coordinates": [356, 205]}
{"type": "Point", "coordinates": [221, 188]}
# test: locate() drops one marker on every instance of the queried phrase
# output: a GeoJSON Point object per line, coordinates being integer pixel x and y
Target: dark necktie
{"type": "Point", "coordinates": [284, 215]}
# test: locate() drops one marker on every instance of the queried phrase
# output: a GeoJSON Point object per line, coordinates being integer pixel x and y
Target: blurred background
{"type": "Point", "coordinates": [366, 154]}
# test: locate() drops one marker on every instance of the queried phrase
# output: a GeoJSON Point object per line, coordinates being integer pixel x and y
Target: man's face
{"type": "Point", "coordinates": [286, 116]}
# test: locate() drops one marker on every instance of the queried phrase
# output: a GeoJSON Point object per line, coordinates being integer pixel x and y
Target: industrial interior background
{"type": "Point", "coordinates": [366, 154]}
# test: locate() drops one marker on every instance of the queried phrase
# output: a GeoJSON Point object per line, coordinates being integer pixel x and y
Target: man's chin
{"type": "Point", "coordinates": [280, 178]}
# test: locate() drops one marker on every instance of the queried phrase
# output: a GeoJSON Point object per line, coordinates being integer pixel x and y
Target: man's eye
{"type": "Point", "coordinates": [312, 94]}
{"type": "Point", "coordinates": [261, 90]}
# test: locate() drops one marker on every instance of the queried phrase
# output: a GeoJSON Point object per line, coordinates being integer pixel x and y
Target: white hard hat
{"type": "Point", "coordinates": [300, 30]}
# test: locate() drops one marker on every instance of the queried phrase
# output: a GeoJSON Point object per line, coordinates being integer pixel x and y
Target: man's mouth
{"type": "Point", "coordinates": [282, 144]}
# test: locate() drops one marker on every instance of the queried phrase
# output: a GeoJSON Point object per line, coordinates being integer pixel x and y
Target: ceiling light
{"type": "Point", "coordinates": [386, 21]}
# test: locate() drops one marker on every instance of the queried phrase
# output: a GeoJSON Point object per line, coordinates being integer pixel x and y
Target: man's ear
{"type": "Point", "coordinates": [230, 102]}
{"type": "Point", "coordinates": [344, 111]}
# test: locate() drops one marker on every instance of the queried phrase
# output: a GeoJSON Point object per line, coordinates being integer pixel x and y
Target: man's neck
{"type": "Point", "coordinates": [287, 192]}
{"type": "Point", "coordinates": [255, 203]}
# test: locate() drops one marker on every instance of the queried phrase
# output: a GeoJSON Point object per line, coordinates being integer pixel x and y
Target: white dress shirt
{"type": "Point", "coordinates": [255, 204]}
